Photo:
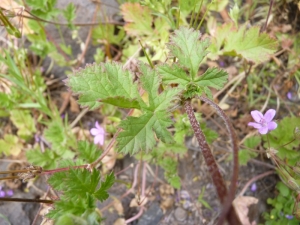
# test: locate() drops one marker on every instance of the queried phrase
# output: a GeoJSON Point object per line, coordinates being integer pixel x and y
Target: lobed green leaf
{"type": "Point", "coordinates": [213, 77]}
{"type": "Point", "coordinates": [189, 49]}
{"type": "Point", "coordinates": [98, 82]}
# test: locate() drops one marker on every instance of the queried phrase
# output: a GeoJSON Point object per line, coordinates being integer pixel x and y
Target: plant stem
{"type": "Point", "coordinates": [209, 158]}
{"type": "Point", "coordinates": [227, 206]}
{"type": "Point", "coordinates": [213, 167]}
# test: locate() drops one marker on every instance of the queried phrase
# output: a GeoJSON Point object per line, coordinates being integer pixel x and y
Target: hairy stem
{"type": "Point", "coordinates": [208, 156]}
{"type": "Point", "coordinates": [227, 206]}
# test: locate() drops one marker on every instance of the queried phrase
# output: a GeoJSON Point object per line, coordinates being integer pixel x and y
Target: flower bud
{"type": "Point", "coordinates": [288, 180]}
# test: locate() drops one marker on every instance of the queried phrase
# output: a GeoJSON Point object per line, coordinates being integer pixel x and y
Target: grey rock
{"type": "Point", "coordinates": [152, 216]}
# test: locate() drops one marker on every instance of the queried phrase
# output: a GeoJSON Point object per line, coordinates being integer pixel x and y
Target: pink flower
{"type": "Point", "coordinates": [264, 123]}
{"type": "Point", "coordinates": [99, 134]}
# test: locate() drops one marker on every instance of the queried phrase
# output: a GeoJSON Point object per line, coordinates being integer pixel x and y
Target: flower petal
{"type": "Point", "coordinates": [99, 139]}
{"type": "Point", "coordinates": [257, 115]}
{"type": "Point", "coordinates": [272, 125]}
{"type": "Point", "coordinates": [94, 131]}
{"type": "Point", "coordinates": [263, 130]}
{"type": "Point", "coordinates": [269, 115]}
{"type": "Point", "coordinates": [97, 125]}
{"type": "Point", "coordinates": [255, 125]}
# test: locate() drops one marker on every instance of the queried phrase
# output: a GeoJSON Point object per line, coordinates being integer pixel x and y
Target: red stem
{"type": "Point", "coordinates": [227, 206]}
{"type": "Point", "coordinates": [208, 156]}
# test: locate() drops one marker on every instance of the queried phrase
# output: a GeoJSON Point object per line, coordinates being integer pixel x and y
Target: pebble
{"type": "Point", "coordinates": [180, 214]}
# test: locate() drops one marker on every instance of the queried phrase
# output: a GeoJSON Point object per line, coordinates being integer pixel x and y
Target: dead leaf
{"type": "Point", "coordinates": [14, 7]}
{"type": "Point", "coordinates": [74, 107]}
{"type": "Point", "coordinates": [109, 160]}
{"type": "Point", "coordinates": [120, 221]}
{"type": "Point", "coordinates": [247, 210]}
{"type": "Point", "coordinates": [138, 201]}
{"type": "Point", "coordinates": [118, 206]}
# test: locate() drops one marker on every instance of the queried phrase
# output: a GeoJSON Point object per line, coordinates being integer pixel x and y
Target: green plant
{"type": "Point", "coordinates": [282, 207]}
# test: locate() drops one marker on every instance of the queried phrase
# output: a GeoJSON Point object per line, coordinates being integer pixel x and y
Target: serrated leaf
{"type": "Point", "coordinates": [139, 132]}
{"type": "Point", "coordinates": [105, 33]}
{"type": "Point", "coordinates": [122, 102]}
{"type": "Point", "coordinates": [76, 206]}
{"type": "Point", "coordinates": [187, 47]}
{"type": "Point", "coordinates": [97, 82]}
{"type": "Point", "coordinates": [10, 145]}
{"type": "Point", "coordinates": [88, 151]}
{"type": "Point", "coordinates": [247, 43]}
{"type": "Point", "coordinates": [70, 12]}
{"type": "Point", "coordinates": [173, 74]}
{"type": "Point", "coordinates": [75, 182]}
{"type": "Point", "coordinates": [213, 77]}
{"type": "Point", "coordinates": [37, 4]}
{"type": "Point", "coordinates": [150, 81]}
{"type": "Point", "coordinates": [252, 142]}
{"type": "Point", "coordinates": [174, 181]}
{"type": "Point", "coordinates": [245, 155]}
{"type": "Point", "coordinates": [46, 159]}
{"type": "Point", "coordinates": [56, 134]}
{"type": "Point", "coordinates": [284, 134]}
{"type": "Point", "coordinates": [24, 122]}
{"type": "Point", "coordinates": [101, 194]}
{"type": "Point", "coordinates": [138, 19]}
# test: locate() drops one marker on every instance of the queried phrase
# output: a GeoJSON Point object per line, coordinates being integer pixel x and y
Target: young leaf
{"type": "Point", "coordinates": [76, 206]}
{"type": "Point", "coordinates": [138, 19]}
{"type": "Point", "coordinates": [10, 145]}
{"type": "Point", "coordinates": [101, 194]}
{"type": "Point", "coordinates": [24, 122]}
{"type": "Point", "coordinates": [56, 134]}
{"type": "Point", "coordinates": [213, 77]}
{"type": "Point", "coordinates": [98, 82]}
{"type": "Point", "coordinates": [77, 182]}
{"type": "Point", "coordinates": [187, 47]}
{"type": "Point", "coordinates": [105, 33]}
{"type": "Point", "coordinates": [47, 159]}
{"type": "Point", "coordinates": [70, 12]}
{"type": "Point", "coordinates": [173, 74]}
{"type": "Point", "coordinates": [88, 151]}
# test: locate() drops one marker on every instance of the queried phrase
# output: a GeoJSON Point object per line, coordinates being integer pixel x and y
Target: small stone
{"type": "Point", "coordinates": [180, 214]}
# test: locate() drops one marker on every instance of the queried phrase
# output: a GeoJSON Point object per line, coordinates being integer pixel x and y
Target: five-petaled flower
{"type": "Point", "coordinates": [99, 134]}
{"type": "Point", "coordinates": [264, 123]}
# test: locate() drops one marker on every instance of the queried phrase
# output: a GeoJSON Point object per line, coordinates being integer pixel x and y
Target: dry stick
{"type": "Point", "coordinates": [26, 200]}
{"type": "Point", "coordinates": [269, 12]}
{"type": "Point", "coordinates": [39, 210]}
{"type": "Point", "coordinates": [255, 179]}
{"type": "Point", "coordinates": [228, 203]}
{"type": "Point", "coordinates": [142, 195]}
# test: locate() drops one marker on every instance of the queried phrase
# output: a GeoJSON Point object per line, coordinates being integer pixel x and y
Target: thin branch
{"type": "Point", "coordinates": [255, 179]}
{"type": "Point", "coordinates": [26, 200]}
